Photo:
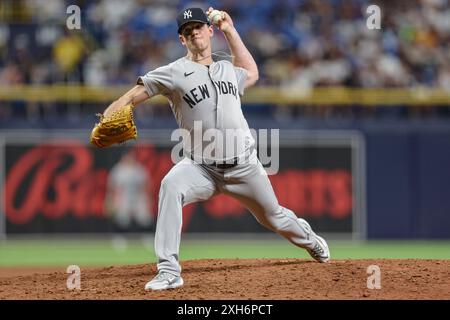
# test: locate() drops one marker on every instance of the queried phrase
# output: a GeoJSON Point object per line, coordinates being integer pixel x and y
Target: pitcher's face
{"type": "Point", "coordinates": [196, 36]}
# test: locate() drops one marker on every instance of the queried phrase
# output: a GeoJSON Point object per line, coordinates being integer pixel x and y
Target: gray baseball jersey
{"type": "Point", "coordinates": [212, 95]}
{"type": "Point", "coordinates": [208, 95]}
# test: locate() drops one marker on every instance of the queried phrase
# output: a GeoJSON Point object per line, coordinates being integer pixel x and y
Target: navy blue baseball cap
{"type": "Point", "coordinates": [191, 15]}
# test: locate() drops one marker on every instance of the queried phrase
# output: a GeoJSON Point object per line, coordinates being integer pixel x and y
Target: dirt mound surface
{"type": "Point", "coordinates": [271, 279]}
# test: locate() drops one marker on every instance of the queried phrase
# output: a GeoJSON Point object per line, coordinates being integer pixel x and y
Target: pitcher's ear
{"type": "Point", "coordinates": [182, 40]}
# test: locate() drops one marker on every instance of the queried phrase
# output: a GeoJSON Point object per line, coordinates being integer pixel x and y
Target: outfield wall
{"type": "Point", "coordinates": [403, 187]}
{"type": "Point", "coordinates": [55, 182]}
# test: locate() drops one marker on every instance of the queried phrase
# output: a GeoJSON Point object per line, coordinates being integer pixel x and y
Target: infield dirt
{"type": "Point", "coordinates": [271, 279]}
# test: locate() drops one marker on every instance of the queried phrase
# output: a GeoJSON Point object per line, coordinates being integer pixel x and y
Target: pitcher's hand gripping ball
{"type": "Point", "coordinates": [116, 128]}
{"type": "Point", "coordinates": [215, 16]}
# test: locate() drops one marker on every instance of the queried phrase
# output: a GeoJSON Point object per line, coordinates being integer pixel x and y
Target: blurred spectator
{"type": "Point", "coordinates": [11, 75]}
{"type": "Point", "coordinates": [68, 53]}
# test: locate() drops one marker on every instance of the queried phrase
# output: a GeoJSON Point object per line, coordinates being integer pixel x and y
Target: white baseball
{"type": "Point", "coordinates": [215, 16]}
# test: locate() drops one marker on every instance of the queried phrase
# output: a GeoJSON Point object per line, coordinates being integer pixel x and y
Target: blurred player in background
{"type": "Point", "coordinates": [128, 199]}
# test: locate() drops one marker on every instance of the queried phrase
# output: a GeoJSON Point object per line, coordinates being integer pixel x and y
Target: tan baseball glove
{"type": "Point", "coordinates": [116, 128]}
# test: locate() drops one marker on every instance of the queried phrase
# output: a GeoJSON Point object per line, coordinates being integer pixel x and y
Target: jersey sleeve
{"type": "Point", "coordinates": [158, 81]}
{"type": "Point", "coordinates": [241, 76]}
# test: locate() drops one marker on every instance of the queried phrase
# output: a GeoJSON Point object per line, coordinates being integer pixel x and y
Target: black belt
{"type": "Point", "coordinates": [220, 165]}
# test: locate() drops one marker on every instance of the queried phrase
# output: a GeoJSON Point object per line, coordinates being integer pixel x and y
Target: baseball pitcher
{"type": "Point", "coordinates": [201, 90]}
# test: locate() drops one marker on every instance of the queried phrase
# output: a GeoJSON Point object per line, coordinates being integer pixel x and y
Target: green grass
{"type": "Point", "coordinates": [103, 252]}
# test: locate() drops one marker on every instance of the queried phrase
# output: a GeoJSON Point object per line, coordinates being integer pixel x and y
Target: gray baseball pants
{"type": "Point", "coordinates": [189, 182]}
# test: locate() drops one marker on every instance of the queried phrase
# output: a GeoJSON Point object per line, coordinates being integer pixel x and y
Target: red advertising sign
{"type": "Point", "coordinates": [62, 187]}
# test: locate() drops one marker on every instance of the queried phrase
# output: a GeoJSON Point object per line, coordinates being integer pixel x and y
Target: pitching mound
{"type": "Point", "coordinates": [272, 279]}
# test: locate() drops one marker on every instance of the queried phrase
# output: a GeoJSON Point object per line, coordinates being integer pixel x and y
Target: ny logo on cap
{"type": "Point", "coordinates": [187, 14]}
